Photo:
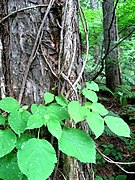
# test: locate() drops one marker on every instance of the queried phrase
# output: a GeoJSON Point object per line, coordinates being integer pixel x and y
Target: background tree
{"type": "Point", "coordinates": [112, 68]}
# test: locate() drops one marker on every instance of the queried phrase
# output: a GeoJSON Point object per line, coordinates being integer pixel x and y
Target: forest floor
{"type": "Point", "coordinates": [116, 148]}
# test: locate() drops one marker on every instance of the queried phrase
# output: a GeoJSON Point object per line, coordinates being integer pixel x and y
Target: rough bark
{"type": "Point", "coordinates": [112, 68]}
{"type": "Point", "coordinates": [56, 61]}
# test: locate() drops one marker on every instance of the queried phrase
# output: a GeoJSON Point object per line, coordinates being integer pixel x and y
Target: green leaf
{"type": "Point", "coordinates": [97, 107]}
{"type": "Point", "coordinates": [96, 123]}
{"type": "Point", "coordinates": [9, 168]}
{"type": "Point", "coordinates": [22, 139]}
{"type": "Point", "coordinates": [58, 110]}
{"type": "Point", "coordinates": [92, 86]}
{"type": "Point", "coordinates": [9, 104]}
{"type": "Point", "coordinates": [2, 120]}
{"type": "Point", "coordinates": [48, 97]}
{"type": "Point", "coordinates": [35, 121]}
{"type": "Point", "coordinates": [78, 144]}
{"type": "Point", "coordinates": [117, 126]}
{"type": "Point", "coordinates": [7, 142]}
{"type": "Point", "coordinates": [39, 110]}
{"type": "Point", "coordinates": [61, 100]}
{"type": "Point", "coordinates": [54, 128]}
{"type": "Point", "coordinates": [91, 95]}
{"type": "Point", "coordinates": [34, 109]}
{"type": "Point", "coordinates": [18, 121]}
{"type": "Point", "coordinates": [121, 177]}
{"type": "Point", "coordinates": [37, 159]}
{"type": "Point", "coordinates": [76, 111]}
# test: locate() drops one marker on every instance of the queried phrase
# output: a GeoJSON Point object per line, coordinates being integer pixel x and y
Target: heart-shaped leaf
{"type": "Point", "coordinates": [36, 159]}
{"type": "Point", "coordinates": [78, 144]}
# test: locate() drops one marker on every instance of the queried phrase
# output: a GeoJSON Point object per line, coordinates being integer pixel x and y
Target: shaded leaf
{"type": "Point", "coordinates": [22, 139]}
{"type": "Point", "coordinates": [9, 168]}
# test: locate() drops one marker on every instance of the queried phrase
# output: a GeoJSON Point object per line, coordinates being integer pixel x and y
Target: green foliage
{"type": "Point", "coordinates": [9, 168]}
{"type": "Point", "coordinates": [7, 141]}
{"type": "Point", "coordinates": [9, 104]}
{"type": "Point", "coordinates": [123, 92]}
{"type": "Point", "coordinates": [126, 15]}
{"type": "Point", "coordinates": [96, 123]}
{"type": "Point", "coordinates": [36, 158]}
{"type": "Point", "coordinates": [77, 143]}
{"type": "Point", "coordinates": [48, 97]}
{"type": "Point", "coordinates": [117, 126]}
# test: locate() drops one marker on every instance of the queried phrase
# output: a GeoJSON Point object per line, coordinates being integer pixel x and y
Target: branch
{"type": "Point", "coordinates": [116, 163]}
{"type": "Point", "coordinates": [20, 10]}
{"type": "Point", "coordinates": [102, 60]}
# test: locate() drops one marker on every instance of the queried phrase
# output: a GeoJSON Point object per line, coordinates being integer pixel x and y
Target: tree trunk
{"type": "Point", "coordinates": [112, 68]}
{"type": "Point", "coordinates": [41, 51]}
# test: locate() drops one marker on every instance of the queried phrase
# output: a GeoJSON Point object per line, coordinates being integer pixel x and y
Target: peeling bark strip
{"type": "Point", "coordinates": [2, 82]}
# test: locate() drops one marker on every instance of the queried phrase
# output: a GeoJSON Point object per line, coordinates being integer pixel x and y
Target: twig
{"type": "Point", "coordinates": [33, 50]}
{"type": "Point", "coordinates": [67, 79]}
{"type": "Point", "coordinates": [56, 168]}
{"type": "Point", "coordinates": [103, 58]}
{"type": "Point", "coordinates": [82, 15]}
{"type": "Point", "coordinates": [116, 163]}
{"type": "Point", "coordinates": [61, 37]}
{"type": "Point", "coordinates": [73, 58]}
{"type": "Point", "coordinates": [2, 84]}
{"type": "Point", "coordinates": [48, 63]}
{"type": "Point", "coordinates": [20, 10]}
{"type": "Point", "coordinates": [62, 174]}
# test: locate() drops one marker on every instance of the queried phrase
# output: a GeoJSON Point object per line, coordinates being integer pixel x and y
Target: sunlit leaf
{"type": "Point", "coordinates": [36, 159]}
{"type": "Point", "coordinates": [7, 141]}
{"type": "Point", "coordinates": [97, 107]}
{"type": "Point", "coordinates": [117, 126]}
{"type": "Point", "coordinates": [18, 121]}
{"type": "Point", "coordinates": [9, 104]}
{"type": "Point", "coordinates": [61, 100]}
{"type": "Point", "coordinates": [54, 128]}
{"type": "Point", "coordinates": [92, 86]}
{"type": "Point", "coordinates": [96, 123]}
{"type": "Point", "coordinates": [35, 121]}
{"type": "Point", "coordinates": [91, 95]}
{"type": "Point", "coordinates": [78, 144]}
{"type": "Point", "coordinates": [48, 97]}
